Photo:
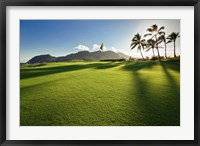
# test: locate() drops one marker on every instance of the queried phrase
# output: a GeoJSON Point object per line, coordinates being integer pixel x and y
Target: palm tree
{"type": "Point", "coordinates": [151, 44]}
{"type": "Point", "coordinates": [172, 38]}
{"type": "Point", "coordinates": [138, 42]}
{"type": "Point", "coordinates": [161, 39]}
{"type": "Point", "coordinates": [155, 32]}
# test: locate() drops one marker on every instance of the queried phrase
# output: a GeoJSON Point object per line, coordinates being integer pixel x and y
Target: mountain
{"type": "Point", "coordinates": [22, 64]}
{"type": "Point", "coordinates": [42, 58]}
{"type": "Point", "coordinates": [122, 55]}
{"type": "Point", "coordinates": [80, 56]}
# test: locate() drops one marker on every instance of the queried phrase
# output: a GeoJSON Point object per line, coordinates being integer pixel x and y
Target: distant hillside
{"type": "Point", "coordinates": [42, 58]}
{"type": "Point", "coordinates": [122, 55]}
{"type": "Point", "coordinates": [22, 64]}
{"type": "Point", "coordinates": [80, 56]}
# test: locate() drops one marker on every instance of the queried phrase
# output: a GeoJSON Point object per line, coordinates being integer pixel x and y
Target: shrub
{"type": "Point", "coordinates": [36, 65]}
{"type": "Point", "coordinates": [113, 60]}
{"type": "Point", "coordinates": [157, 58]}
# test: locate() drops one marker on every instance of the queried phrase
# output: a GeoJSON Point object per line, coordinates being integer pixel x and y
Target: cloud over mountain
{"type": "Point", "coordinates": [82, 47]}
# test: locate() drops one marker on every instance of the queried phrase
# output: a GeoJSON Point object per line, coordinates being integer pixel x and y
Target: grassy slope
{"type": "Point", "coordinates": [100, 93]}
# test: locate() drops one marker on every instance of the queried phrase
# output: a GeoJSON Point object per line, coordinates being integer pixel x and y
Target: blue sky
{"type": "Point", "coordinates": [62, 37]}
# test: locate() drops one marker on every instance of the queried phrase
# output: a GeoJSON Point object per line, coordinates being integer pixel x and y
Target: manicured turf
{"type": "Point", "coordinates": [101, 93]}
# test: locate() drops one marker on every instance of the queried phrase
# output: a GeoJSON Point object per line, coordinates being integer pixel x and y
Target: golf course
{"type": "Point", "coordinates": [124, 93]}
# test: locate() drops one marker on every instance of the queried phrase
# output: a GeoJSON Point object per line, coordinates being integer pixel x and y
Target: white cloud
{"type": "Point", "coordinates": [95, 46]}
{"type": "Point", "coordinates": [118, 50]}
{"type": "Point", "coordinates": [114, 50]}
{"type": "Point", "coordinates": [82, 47]}
{"type": "Point", "coordinates": [23, 60]}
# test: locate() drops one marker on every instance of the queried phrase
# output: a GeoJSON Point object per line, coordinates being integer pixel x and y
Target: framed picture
{"type": "Point", "coordinates": [99, 72]}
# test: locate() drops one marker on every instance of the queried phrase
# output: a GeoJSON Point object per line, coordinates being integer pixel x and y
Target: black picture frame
{"type": "Point", "coordinates": [5, 3]}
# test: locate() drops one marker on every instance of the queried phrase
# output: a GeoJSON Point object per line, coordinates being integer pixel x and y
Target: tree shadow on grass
{"type": "Point", "coordinates": [136, 66]}
{"type": "Point", "coordinates": [153, 109]}
{"type": "Point", "coordinates": [172, 64]}
{"type": "Point", "coordinates": [109, 65]}
{"type": "Point", "coordinates": [165, 67]}
{"type": "Point", "coordinates": [36, 72]}
{"type": "Point", "coordinates": [27, 88]}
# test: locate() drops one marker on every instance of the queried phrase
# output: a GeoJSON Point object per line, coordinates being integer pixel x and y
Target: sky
{"type": "Point", "coordinates": [63, 37]}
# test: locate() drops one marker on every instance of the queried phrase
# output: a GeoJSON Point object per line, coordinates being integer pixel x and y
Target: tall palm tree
{"type": "Point", "coordinates": [172, 38]}
{"type": "Point", "coordinates": [138, 42]}
{"type": "Point", "coordinates": [161, 39]}
{"type": "Point", "coordinates": [151, 44]}
{"type": "Point", "coordinates": [155, 32]}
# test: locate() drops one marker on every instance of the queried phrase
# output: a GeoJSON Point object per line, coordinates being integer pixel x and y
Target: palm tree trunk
{"type": "Point", "coordinates": [174, 49]}
{"type": "Point", "coordinates": [165, 51]}
{"type": "Point", "coordinates": [141, 54]}
{"type": "Point", "coordinates": [158, 54]}
{"type": "Point", "coordinates": [157, 48]}
{"type": "Point", "coordinates": [153, 51]}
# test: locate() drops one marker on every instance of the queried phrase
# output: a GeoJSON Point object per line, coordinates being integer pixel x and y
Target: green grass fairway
{"type": "Point", "coordinates": [101, 94]}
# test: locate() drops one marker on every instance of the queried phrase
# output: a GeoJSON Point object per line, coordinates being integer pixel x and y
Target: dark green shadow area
{"type": "Point", "coordinates": [158, 104]}
{"type": "Point", "coordinates": [109, 65]}
{"type": "Point", "coordinates": [171, 64]}
{"type": "Point", "coordinates": [42, 71]}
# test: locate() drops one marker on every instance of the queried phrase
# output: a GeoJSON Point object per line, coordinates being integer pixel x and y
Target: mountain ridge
{"type": "Point", "coordinates": [79, 56]}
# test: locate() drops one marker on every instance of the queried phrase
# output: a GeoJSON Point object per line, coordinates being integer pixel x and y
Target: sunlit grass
{"type": "Point", "coordinates": [101, 93]}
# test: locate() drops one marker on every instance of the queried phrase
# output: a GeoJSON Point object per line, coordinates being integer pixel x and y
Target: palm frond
{"type": "Point", "coordinates": [161, 28]}
{"type": "Point", "coordinates": [148, 34]}
{"type": "Point", "coordinates": [161, 33]}
{"type": "Point", "coordinates": [150, 30]}
{"type": "Point", "coordinates": [169, 37]}
{"type": "Point", "coordinates": [133, 45]}
{"type": "Point", "coordinates": [168, 42]}
{"type": "Point", "coordinates": [134, 38]}
{"type": "Point", "coordinates": [154, 27]}
{"type": "Point", "coordinates": [148, 49]}
{"type": "Point", "coordinates": [173, 36]}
